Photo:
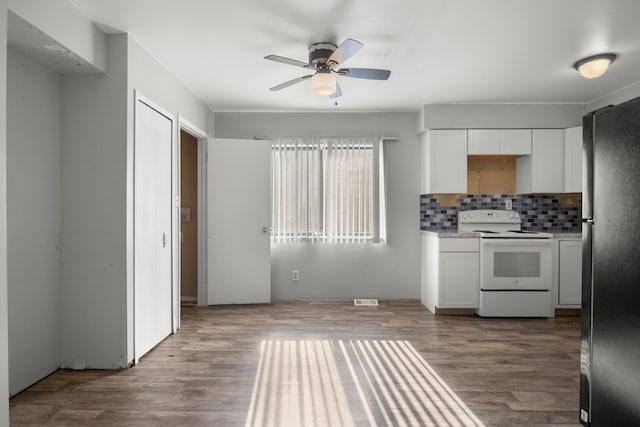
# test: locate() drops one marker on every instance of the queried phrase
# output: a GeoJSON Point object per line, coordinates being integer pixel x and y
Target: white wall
{"type": "Point", "coordinates": [33, 219]}
{"type": "Point", "coordinates": [150, 78]}
{"type": "Point", "coordinates": [97, 199]}
{"type": "Point", "coordinates": [94, 159]}
{"type": "Point", "coordinates": [343, 272]}
{"type": "Point", "coordinates": [624, 94]}
{"type": "Point", "coordinates": [4, 340]}
{"type": "Point", "coordinates": [497, 116]}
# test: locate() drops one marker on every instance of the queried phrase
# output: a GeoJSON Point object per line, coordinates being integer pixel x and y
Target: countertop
{"type": "Point", "coordinates": [451, 234]}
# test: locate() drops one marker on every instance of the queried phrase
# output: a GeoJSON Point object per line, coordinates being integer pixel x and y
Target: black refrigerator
{"type": "Point", "coordinates": [610, 331]}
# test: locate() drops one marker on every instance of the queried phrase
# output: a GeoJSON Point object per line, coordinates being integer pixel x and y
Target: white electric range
{"type": "Point", "coordinates": [515, 265]}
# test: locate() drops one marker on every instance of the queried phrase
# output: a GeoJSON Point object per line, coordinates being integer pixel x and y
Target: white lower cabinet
{"type": "Point", "coordinates": [450, 272]}
{"type": "Point", "coordinates": [569, 273]}
{"type": "Point", "coordinates": [458, 284]}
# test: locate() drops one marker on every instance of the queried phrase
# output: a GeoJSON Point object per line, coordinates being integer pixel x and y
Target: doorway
{"type": "Point", "coordinates": [188, 218]}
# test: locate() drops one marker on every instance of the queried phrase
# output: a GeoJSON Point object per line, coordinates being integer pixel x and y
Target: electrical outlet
{"type": "Point", "coordinates": [295, 275]}
{"type": "Point", "coordinates": [508, 204]}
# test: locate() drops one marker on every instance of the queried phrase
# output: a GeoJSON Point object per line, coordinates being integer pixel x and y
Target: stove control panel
{"type": "Point", "coordinates": [495, 220]}
{"type": "Point", "coordinates": [489, 216]}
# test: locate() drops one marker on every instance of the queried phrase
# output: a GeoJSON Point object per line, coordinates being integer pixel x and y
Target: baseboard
{"type": "Point", "coordinates": [188, 300]}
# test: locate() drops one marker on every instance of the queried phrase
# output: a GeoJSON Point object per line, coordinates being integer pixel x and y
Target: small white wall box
{"type": "Point", "coordinates": [185, 213]}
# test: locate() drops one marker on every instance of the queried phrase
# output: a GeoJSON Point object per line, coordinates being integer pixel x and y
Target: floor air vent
{"type": "Point", "coordinates": [365, 302]}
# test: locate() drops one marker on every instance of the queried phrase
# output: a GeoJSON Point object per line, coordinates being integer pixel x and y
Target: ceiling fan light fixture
{"type": "Point", "coordinates": [594, 66]}
{"type": "Point", "coordinates": [323, 84]}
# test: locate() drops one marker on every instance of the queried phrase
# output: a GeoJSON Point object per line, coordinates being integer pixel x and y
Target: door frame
{"type": "Point", "coordinates": [201, 136]}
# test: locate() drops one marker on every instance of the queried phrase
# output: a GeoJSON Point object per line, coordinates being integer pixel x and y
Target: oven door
{"type": "Point", "coordinates": [516, 264]}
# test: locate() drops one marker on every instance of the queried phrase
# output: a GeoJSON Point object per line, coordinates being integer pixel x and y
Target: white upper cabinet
{"type": "Point", "coordinates": [573, 160]}
{"type": "Point", "coordinates": [543, 170]}
{"type": "Point", "coordinates": [515, 141]}
{"type": "Point", "coordinates": [499, 142]}
{"type": "Point", "coordinates": [484, 141]}
{"type": "Point", "coordinates": [444, 161]}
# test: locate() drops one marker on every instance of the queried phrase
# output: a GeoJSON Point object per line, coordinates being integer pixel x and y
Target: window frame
{"type": "Point", "coordinates": [327, 146]}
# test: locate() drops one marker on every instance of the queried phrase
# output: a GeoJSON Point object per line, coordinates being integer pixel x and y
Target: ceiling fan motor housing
{"type": "Point", "coordinates": [320, 52]}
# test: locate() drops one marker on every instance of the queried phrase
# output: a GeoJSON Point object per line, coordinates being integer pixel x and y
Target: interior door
{"type": "Point", "coordinates": [152, 227]}
{"type": "Point", "coordinates": [238, 221]}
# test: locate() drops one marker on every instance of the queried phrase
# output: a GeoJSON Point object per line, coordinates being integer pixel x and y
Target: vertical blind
{"type": "Point", "coordinates": [325, 189]}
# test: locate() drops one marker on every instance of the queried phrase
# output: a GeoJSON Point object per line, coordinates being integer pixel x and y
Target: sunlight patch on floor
{"type": "Point", "coordinates": [349, 382]}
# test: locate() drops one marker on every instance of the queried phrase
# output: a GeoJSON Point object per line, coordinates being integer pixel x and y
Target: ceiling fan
{"type": "Point", "coordinates": [324, 58]}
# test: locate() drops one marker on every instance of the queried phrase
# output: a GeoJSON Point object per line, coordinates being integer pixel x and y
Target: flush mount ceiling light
{"type": "Point", "coordinates": [323, 83]}
{"type": "Point", "coordinates": [594, 66]}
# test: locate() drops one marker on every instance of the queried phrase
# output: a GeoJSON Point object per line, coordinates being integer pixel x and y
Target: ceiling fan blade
{"type": "Point", "coordinates": [346, 50]}
{"type": "Point", "coordinates": [337, 93]}
{"type": "Point", "coordinates": [284, 60]}
{"type": "Point", "coordinates": [291, 82]}
{"type": "Point", "coordinates": [365, 73]}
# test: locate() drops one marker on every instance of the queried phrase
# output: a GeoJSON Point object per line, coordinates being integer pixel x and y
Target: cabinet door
{"type": "Point", "coordinates": [570, 272]}
{"type": "Point", "coordinates": [499, 142]}
{"type": "Point", "coordinates": [445, 161]}
{"type": "Point", "coordinates": [515, 141]}
{"type": "Point", "coordinates": [484, 141]}
{"type": "Point", "coordinates": [459, 279]}
{"type": "Point", "coordinates": [573, 160]}
{"type": "Point", "coordinates": [547, 161]}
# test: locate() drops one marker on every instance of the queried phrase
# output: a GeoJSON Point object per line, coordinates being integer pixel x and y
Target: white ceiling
{"type": "Point", "coordinates": [439, 51]}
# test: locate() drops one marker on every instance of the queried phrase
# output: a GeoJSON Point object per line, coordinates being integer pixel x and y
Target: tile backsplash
{"type": "Point", "coordinates": [539, 212]}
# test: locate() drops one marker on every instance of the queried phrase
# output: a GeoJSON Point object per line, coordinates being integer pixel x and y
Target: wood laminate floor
{"type": "Point", "coordinates": [307, 364]}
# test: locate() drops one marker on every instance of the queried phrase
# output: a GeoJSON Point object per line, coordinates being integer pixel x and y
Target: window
{"type": "Point", "coordinates": [327, 190]}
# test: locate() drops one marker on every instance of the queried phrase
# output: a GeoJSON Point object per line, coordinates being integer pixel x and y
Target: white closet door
{"type": "Point", "coordinates": [238, 221]}
{"type": "Point", "coordinates": [152, 227]}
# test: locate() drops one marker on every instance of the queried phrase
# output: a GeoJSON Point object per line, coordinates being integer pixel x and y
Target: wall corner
{"type": "Point", "coordinates": [4, 328]}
